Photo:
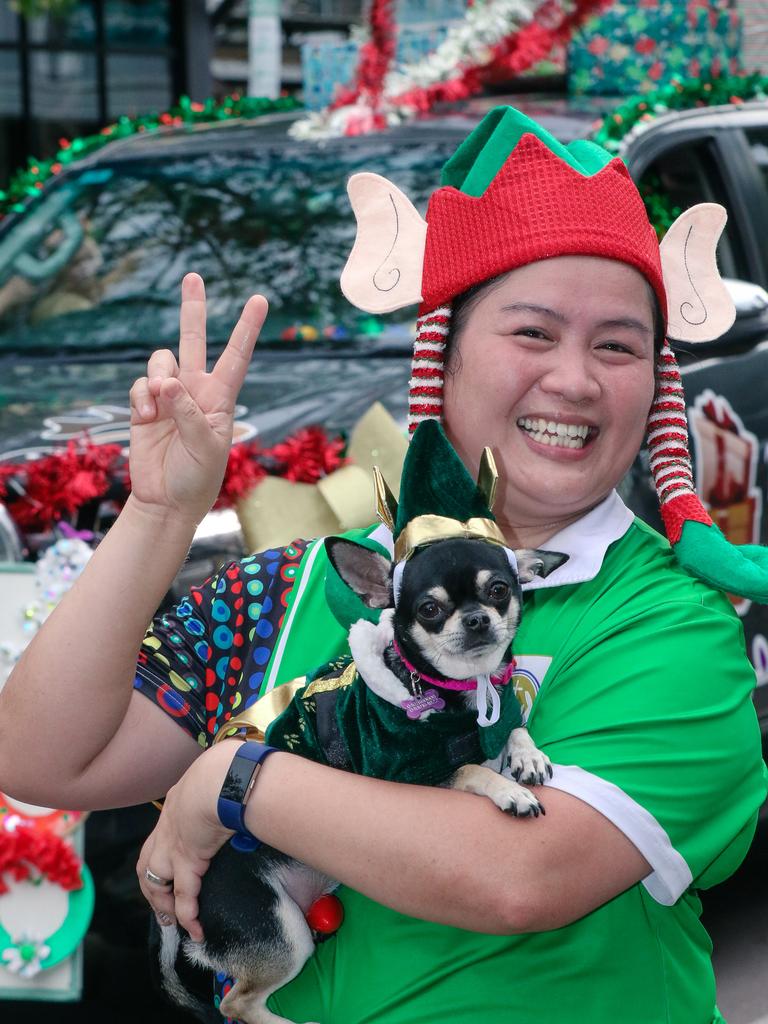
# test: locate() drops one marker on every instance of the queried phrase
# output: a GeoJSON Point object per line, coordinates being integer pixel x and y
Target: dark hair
{"type": "Point", "coordinates": [464, 303]}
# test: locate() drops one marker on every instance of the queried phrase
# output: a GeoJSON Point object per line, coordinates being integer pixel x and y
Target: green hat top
{"type": "Point", "coordinates": [481, 156]}
{"type": "Point", "coordinates": [438, 497]}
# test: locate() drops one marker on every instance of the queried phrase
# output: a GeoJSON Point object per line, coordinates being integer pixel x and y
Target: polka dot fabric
{"type": "Point", "coordinates": [204, 661]}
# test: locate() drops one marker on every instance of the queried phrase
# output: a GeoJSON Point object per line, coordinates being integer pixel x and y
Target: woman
{"type": "Point", "coordinates": [452, 909]}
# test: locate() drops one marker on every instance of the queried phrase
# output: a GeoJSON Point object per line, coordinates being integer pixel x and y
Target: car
{"type": "Point", "coordinates": [90, 273]}
{"type": "Point", "coordinates": [89, 287]}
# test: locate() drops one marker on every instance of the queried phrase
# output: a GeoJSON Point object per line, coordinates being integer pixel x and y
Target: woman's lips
{"type": "Point", "coordinates": [557, 434]}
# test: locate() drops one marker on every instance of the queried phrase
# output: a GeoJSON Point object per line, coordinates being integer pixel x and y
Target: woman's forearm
{"type": "Point", "coordinates": [441, 855]}
{"type": "Point", "coordinates": [69, 692]}
{"type": "Point", "coordinates": [436, 854]}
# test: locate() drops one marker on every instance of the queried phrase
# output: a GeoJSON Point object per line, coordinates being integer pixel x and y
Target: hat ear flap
{"type": "Point", "coordinates": [384, 269]}
{"type": "Point", "coordinates": [700, 307]}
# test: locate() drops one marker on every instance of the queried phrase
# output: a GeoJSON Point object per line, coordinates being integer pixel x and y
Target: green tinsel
{"type": "Point", "coordinates": [36, 8]}
{"type": "Point", "coordinates": [679, 94]}
{"type": "Point", "coordinates": [27, 182]}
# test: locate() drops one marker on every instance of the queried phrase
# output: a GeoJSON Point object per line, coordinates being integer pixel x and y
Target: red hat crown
{"type": "Point", "coordinates": [536, 207]}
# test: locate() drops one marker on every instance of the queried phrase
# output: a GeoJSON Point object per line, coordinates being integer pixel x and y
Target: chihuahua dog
{"type": "Point", "coordinates": [449, 614]}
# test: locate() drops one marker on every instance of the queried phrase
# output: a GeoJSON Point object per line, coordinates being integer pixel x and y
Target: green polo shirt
{"type": "Point", "coordinates": [634, 680]}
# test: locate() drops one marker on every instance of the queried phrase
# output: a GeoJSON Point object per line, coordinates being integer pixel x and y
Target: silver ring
{"type": "Point", "coordinates": [156, 879]}
{"type": "Point", "coordinates": [165, 920]}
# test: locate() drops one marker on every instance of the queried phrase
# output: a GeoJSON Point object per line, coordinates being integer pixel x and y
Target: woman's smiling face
{"type": "Point", "coordinates": [554, 370]}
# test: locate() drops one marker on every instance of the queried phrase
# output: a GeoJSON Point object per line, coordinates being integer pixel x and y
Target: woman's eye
{"type": "Point", "coordinates": [498, 591]}
{"type": "Point", "coordinates": [617, 346]}
{"type": "Point", "coordinates": [429, 609]}
{"type": "Point", "coordinates": [532, 332]}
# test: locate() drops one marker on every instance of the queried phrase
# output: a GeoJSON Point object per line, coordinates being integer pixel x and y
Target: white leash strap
{"type": "Point", "coordinates": [485, 694]}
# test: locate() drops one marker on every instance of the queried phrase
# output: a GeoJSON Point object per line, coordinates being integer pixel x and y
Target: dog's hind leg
{"type": "Point", "coordinates": [269, 967]}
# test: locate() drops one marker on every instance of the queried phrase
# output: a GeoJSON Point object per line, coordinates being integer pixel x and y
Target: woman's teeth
{"type": "Point", "coordinates": [560, 435]}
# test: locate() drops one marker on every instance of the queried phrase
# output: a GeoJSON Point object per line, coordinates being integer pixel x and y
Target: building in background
{"type": "Point", "coordinates": [302, 22]}
{"type": "Point", "coordinates": [69, 76]}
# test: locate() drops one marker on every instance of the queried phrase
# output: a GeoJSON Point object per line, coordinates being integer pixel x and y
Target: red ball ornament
{"type": "Point", "coordinates": [325, 915]}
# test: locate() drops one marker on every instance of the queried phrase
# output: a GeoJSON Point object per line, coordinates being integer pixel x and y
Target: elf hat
{"type": "Point", "coordinates": [512, 195]}
{"type": "Point", "coordinates": [438, 497]}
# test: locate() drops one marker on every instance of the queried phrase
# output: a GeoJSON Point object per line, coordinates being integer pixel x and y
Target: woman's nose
{"type": "Point", "coordinates": [573, 377]}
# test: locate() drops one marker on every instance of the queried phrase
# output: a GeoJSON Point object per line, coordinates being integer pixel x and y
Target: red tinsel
{"type": "Point", "coordinates": [307, 455]}
{"type": "Point", "coordinates": [243, 472]}
{"type": "Point", "coordinates": [27, 848]}
{"type": "Point", "coordinates": [516, 53]}
{"type": "Point", "coordinates": [55, 486]}
{"type": "Point", "coordinates": [374, 61]}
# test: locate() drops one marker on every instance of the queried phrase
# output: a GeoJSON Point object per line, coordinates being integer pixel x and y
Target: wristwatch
{"type": "Point", "coordinates": [237, 788]}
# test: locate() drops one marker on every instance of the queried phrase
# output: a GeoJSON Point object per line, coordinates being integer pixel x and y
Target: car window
{"type": "Point", "coordinates": [757, 139]}
{"type": "Point", "coordinates": [97, 261]}
{"type": "Point", "coordinates": [688, 174]}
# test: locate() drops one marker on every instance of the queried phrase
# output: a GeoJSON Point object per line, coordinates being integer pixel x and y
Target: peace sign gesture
{"type": "Point", "coordinates": [181, 415]}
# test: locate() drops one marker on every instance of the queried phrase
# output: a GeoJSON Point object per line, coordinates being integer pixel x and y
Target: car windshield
{"type": "Point", "coordinates": [96, 263]}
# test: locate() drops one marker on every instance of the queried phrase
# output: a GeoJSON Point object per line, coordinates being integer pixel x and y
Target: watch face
{"type": "Point", "coordinates": [236, 783]}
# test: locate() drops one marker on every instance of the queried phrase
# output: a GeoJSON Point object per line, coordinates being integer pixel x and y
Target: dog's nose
{"type": "Point", "coordinates": [478, 622]}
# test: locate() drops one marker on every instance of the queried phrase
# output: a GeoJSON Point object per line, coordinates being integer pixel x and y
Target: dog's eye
{"type": "Point", "coordinates": [498, 591]}
{"type": "Point", "coordinates": [429, 610]}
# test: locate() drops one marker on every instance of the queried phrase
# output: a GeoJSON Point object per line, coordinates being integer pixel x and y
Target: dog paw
{"type": "Point", "coordinates": [529, 768]}
{"type": "Point", "coordinates": [524, 762]}
{"type": "Point", "coordinates": [520, 802]}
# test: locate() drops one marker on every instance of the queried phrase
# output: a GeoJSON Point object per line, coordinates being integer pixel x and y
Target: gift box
{"type": "Point", "coordinates": [737, 521]}
{"type": "Point", "coordinates": [726, 471]}
{"type": "Point", "coordinates": [634, 48]}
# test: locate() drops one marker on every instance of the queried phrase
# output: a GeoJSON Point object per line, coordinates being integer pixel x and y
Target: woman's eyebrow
{"type": "Point", "coordinates": [626, 321]}
{"type": "Point", "coordinates": [528, 307]}
{"type": "Point", "coordinates": [616, 322]}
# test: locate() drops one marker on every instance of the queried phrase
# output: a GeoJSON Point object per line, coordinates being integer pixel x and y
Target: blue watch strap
{"type": "Point", "coordinates": [237, 788]}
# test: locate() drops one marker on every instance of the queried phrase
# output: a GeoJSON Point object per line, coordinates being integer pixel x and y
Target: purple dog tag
{"type": "Point", "coordinates": [415, 707]}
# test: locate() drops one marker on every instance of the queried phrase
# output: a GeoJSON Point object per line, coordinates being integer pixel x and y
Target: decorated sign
{"type": "Point", "coordinates": [46, 892]}
{"type": "Point", "coordinates": [726, 469]}
{"type": "Point", "coordinates": [46, 904]}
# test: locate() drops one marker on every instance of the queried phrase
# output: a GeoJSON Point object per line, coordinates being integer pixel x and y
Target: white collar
{"type": "Point", "coordinates": [585, 542]}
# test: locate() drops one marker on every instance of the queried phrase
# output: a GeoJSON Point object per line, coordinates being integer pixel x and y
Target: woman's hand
{"type": "Point", "coordinates": [186, 837]}
{"type": "Point", "coordinates": [181, 415]}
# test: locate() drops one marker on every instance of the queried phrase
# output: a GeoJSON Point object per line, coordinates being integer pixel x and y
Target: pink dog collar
{"type": "Point", "coordinates": [501, 679]}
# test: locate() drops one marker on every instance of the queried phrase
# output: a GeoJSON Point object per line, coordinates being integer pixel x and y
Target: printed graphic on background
{"type": "Point", "coordinates": [726, 469]}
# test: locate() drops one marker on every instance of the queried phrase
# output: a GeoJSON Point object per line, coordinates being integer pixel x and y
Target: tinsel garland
{"type": "Point", "coordinates": [26, 183]}
{"type": "Point", "coordinates": [517, 52]}
{"type": "Point", "coordinates": [376, 56]}
{"type": "Point", "coordinates": [41, 493]}
{"type": "Point", "coordinates": [36, 8]}
{"type": "Point", "coordinates": [51, 856]}
{"type": "Point", "coordinates": [466, 44]}
{"type": "Point", "coordinates": [634, 116]}
{"type": "Point", "coordinates": [516, 49]}
{"type": "Point", "coordinates": [631, 118]}
{"type": "Point", "coordinates": [306, 456]}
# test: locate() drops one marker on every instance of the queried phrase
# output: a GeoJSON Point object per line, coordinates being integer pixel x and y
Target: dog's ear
{"type": "Point", "coordinates": [364, 571]}
{"type": "Point", "coordinates": [536, 562]}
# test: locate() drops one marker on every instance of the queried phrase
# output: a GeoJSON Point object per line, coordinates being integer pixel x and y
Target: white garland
{"type": "Point", "coordinates": [469, 43]}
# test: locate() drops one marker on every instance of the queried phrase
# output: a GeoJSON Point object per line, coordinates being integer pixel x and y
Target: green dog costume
{"type": "Point", "coordinates": [336, 718]}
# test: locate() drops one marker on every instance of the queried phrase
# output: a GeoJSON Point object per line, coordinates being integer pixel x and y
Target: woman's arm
{"type": "Point", "coordinates": [436, 854]}
{"type": "Point", "coordinates": [65, 737]}
{"type": "Point", "coordinates": [70, 691]}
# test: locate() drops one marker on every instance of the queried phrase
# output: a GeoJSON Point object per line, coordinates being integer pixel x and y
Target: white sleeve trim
{"type": "Point", "coordinates": [671, 875]}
